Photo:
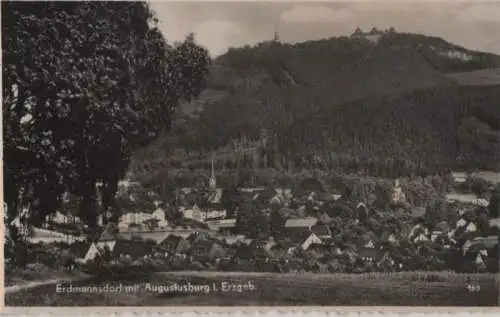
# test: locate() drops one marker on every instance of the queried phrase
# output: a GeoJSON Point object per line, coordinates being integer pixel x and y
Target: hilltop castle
{"type": "Point", "coordinates": [373, 36]}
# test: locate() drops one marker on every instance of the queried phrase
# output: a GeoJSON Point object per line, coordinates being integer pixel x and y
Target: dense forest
{"type": "Point", "coordinates": [340, 104]}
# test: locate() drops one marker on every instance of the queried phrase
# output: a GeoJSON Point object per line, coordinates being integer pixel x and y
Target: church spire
{"type": "Point", "coordinates": [212, 182]}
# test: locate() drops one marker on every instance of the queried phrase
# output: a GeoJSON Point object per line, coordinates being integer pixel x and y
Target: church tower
{"type": "Point", "coordinates": [212, 183]}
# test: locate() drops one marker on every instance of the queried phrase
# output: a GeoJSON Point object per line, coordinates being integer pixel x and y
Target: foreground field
{"type": "Point", "coordinates": [268, 289]}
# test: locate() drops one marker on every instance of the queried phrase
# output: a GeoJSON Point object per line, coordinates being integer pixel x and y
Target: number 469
{"type": "Point", "coordinates": [473, 288]}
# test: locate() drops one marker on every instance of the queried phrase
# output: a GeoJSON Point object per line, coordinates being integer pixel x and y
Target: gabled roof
{"type": "Point", "coordinates": [286, 212]}
{"type": "Point", "coordinates": [417, 212]}
{"type": "Point", "coordinates": [442, 226]}
{"type": "Point", "coordinates": [320, 246]}
{"type": "Point", "coordinates": [282, 245]}
{"type": "Point", "coordinates": [131, 247]}
{"type": "Point", "coordinates": [385, 257]}
{"type": "Point", "coordinates": [172, 240]}
{"type": "Point", "coordinates": [215, 196]}
{"type": "Point", "coordinates": [484, 242]}
{"type": "Point", "coordinates": [39, 232]}
{"type": "Point", "coordinates": [223, 223]}
{"type": "Point", "coordinates": [155, 235]}
{"type": "Point", "coordinates": [230, 240]}
{"type": "Point", "coordinates": [177, 244]}
{"type": "Point", "coordinates": [107, 236]}
{"type": "Point", "coordinates": [203, 247]}
{"type": "Point", "coordinates": [369, 252]}
{"type": "Point", "coordinates": [301, 222]}
{"type": "Point", "coordinates": [312, 185]}
{"type": "Point", "coordinates": [321, 230]}
{"type": "Point", "coordinates": [265, 194]}
{"type": "Point", "coordinates": [298, 235]}
{"type": "Point", "coordinates": [203, 243]}
{"type": "Point", "coordinates": [459, 174]}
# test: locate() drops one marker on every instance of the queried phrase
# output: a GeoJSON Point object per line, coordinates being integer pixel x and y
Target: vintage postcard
{"type": "Point", "coordinates": [250, 156]}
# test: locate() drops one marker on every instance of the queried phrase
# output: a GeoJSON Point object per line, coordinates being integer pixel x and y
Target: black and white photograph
{"type": "Point", "coordinates": [256, 154]}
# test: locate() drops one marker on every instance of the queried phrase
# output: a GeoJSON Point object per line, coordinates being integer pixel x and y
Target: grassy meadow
{"type": "Point", "coordinates": [374, 289]}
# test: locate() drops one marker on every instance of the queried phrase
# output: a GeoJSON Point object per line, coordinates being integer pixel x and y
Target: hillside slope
{"type": "Point", "coordinates": [388, 109]}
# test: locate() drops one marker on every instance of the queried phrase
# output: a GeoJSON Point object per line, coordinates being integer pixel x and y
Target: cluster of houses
{"type": "Point", "coordinates": [212, 236]}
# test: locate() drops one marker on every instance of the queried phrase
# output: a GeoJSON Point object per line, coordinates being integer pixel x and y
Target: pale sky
{"type": "Point", "coordinates": [220, 25]}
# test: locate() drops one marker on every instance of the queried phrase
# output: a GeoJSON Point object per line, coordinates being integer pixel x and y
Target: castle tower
{"type": "Point", "coordinates": [212, 183]}
{"type": "Point", "coordinates": [358, 31]}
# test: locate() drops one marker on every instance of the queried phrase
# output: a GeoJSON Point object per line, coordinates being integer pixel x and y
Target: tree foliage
{"type": "Point", "coordinates": [85, 85]}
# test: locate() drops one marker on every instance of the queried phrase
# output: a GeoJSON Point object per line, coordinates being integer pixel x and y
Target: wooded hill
{"type": "Point", "coordinates": [345, 104]}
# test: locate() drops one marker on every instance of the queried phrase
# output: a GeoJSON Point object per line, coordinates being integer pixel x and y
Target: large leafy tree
{"type": "Point", "coordinates": [85, 85]}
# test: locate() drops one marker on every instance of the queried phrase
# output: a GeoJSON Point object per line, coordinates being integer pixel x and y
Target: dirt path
{"type": "Point", "coordinates": [24, 286]}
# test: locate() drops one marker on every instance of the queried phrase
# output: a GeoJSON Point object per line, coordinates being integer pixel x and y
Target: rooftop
{"type": "Point", "coordinates": [301, 222]}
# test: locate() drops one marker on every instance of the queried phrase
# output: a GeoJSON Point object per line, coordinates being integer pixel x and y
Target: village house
{"type": "Point", "coordinates": [481, 260]}
{"type": "Point", "coordinates": [417, 214]}
{"type": "Point", "coordinates": [62, 218]}
{"type": "Point", "coordinates": [367, 240]}
{"type": "Point", "coordinates": [387, 263]}
{"type": "Point", "coordinates": [283, 248]}
{"type": "Point", "coordinates": [134, 218]}
{"type": "Point", "coordinates": [264, 196]}
{"type": "Point", "coordinates": [231, 240]}
{"type": "Point", "coordinates": [214, 214]}
{"type": "Point", "coordinates": [302, 237]}
{"type": "Point", "coordinates": [461, 198]}
{"type": "Point", "coordinates": [174, 245]}
{"type": "Point", "coordinates": [282, 196]}
{"type": "Point", "coordinates": [461, 223]}
{"type": "Point", "coordinates": [311, 238]}
{"type": "Point", "coordinates": [484, 252]}
{"type": "Point", "coordinates": [265, 245]}
{"type": "Point", "coordinates": [194, 212]}
{"type": "Point", "coordinates": [156, 235]}
{"type": "Point", "coordinates": [319, 267]}
{"type": "Point", "coordinates": [320, 248]}
{"type": "Point", "coordinates": [310, 186]}
{"type": "Point", "coordinates": [213, 200]}
{"type": "Point", "coordinates": [207, 250]}
{"type": "Point", "coordinates": [322, 231]}
{"type": "Point", "coordinates": [368, 254]}
{"type": "Point", "coordinates": [459, 177]}
{"type": "Point", "coordinates": [482, 242]}
{"type": "Point", "coordinates": [391, 236]}
{"type": "Point", "coordinates": [471, 227]}
{"type": "Point", "coordinates": [441, 229]}
{"type": "Point", "coordinates": [40, 235]}
{"type": "Point", "coordinates": [481, 202]}
{"type": "Point", "coordinates": [118, 246]}
{"type": "Point", "coordinates": [495, 223]}
{"type": "Point", "coordinates": [126, 220]}
{"type": "Point", "coordinates": [419, 234]}
{"type": "Point", "coordinates": [225, 227]}
{"type": "Point", "coordinates": [159, 215]}
{"type": "Point", "coordinates": [398, 196]}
